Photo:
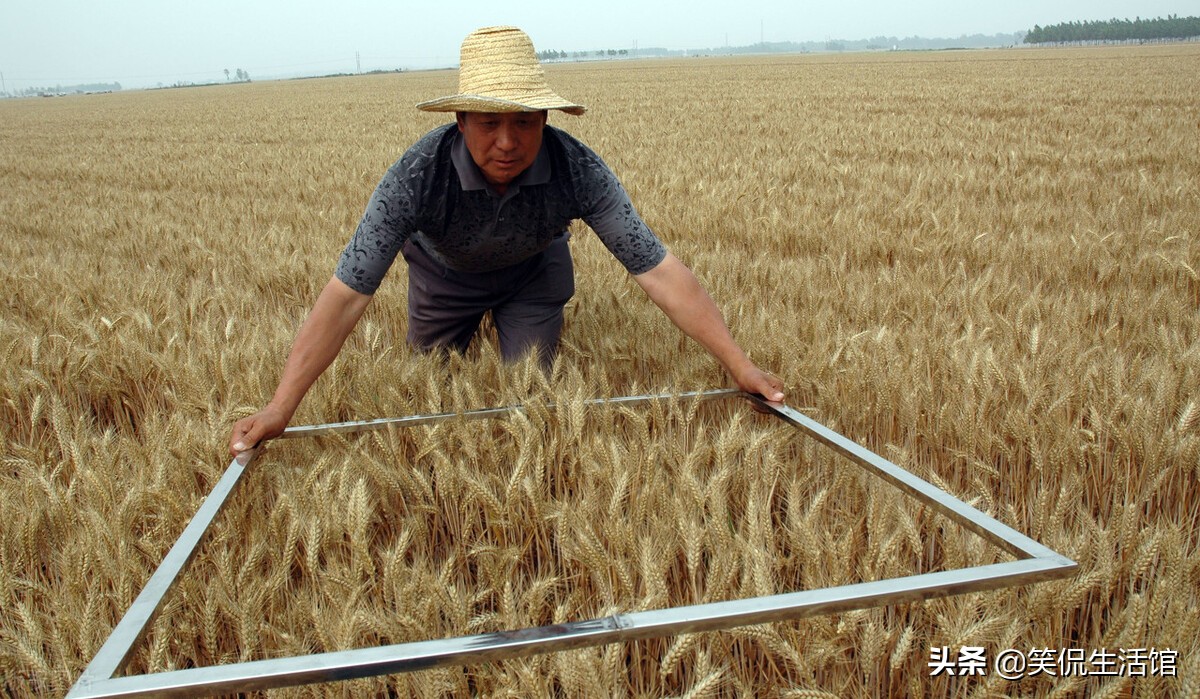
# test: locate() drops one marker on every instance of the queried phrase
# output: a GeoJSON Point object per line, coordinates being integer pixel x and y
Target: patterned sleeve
{"type": "Point", "coordinates": [609, 212]}
{"type": "Point", "coordinates": [388, 221]}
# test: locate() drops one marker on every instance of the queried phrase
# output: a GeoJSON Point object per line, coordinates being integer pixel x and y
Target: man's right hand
{"type": "Point", "coordinates": [267, 423]}
{"type": "Point", "coordinates": [333, 316]}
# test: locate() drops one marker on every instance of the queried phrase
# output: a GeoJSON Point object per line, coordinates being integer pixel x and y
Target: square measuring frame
{"type": "Point", "coordinates": [1034, 563]}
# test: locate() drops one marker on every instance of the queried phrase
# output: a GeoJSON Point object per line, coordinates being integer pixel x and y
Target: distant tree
{"type": "Point", "coordinates": [226, 75]}
{"type": "Point", "coordinates": [1172, 27]}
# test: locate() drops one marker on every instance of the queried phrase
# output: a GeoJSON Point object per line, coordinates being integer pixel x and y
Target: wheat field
{"type": "Point", "coordinates": [982, 265]}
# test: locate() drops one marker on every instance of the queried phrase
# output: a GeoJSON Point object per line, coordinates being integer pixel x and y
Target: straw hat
{"type": "Point", "coordinates": [499, 72]}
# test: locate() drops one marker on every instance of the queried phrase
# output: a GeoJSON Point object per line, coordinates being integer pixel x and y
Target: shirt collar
{"type": "Point", "coordinates": [470, 177]}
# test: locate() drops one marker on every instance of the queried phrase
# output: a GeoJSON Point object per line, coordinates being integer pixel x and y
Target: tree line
{"type": "Point", "coordinates": [552, 55]}
{"type": "Point", "coordinates": [68, 89]}
{"type": "Point", "coordinates": [1171, 27]}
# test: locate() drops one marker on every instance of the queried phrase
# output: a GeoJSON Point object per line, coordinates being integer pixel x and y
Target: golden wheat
{"type": "Point", "coordinates": [981, 264]}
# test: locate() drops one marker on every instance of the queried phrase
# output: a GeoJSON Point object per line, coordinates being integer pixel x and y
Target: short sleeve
{"type": "Point", "coordinates": [611, 214]}
{"type": "Point", "coordinates": [384, 227]}
{"type": "Point", "coordinates": [390, 218]}
{"type": "Point", "coordinates": [607, 209]}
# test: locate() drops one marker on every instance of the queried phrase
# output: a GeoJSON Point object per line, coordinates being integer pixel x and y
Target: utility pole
{"type": "Point", "coordinates": [358, 61]}
{"type": "Point", "coordinates": [3, 87]}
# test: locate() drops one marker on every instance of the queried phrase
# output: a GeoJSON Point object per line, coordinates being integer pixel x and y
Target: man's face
{"type": "Point", "coordinates": [502, 145]}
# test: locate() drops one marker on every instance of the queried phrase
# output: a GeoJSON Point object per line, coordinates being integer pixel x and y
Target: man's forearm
{"type": "Point", "coordinates": [674, 289]}
{"type": "Point", "coordinates": [318, 342]}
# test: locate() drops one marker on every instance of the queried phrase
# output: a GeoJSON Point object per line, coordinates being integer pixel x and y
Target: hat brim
{"type": "Point", "coordinates": [479, 103]}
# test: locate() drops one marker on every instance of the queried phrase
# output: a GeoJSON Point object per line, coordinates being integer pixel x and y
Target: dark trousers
{"type": "Point", "coordinates": [526, 302]}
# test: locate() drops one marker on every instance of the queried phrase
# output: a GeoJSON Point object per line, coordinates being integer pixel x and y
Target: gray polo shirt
{"type": "Point", "coordinates": [436, 195]}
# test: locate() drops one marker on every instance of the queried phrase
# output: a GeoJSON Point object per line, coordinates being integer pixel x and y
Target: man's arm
{"type": "Point", "coordinates": [333, 316]}
{"type": "Point", "coordinates": [674, 289]}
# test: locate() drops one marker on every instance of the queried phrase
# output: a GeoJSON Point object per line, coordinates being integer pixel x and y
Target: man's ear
{"type": "Point", "coordinates": [461, 118]}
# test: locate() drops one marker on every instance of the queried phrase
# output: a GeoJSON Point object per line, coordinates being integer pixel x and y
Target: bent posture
{"type": "Point", "coordinates": [479, 210]}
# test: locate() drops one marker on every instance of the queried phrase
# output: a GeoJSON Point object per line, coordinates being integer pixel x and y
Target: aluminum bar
{"type": "Point", "coordinates": [485, 413]}
{"type": "Point", "coordinates": [490, 647]}
{"type": "Point", "coordinates": [989, 528]}
{"type": "Point", "coordinates": [132, 627]}
{"type": "Point", "coordinates": [1037, 563]}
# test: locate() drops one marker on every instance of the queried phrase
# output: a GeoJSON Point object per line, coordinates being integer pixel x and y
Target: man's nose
{"type": "Point", "coordinates": [505, 138]}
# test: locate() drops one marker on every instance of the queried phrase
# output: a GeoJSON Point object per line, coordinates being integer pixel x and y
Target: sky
{"type": "Point", "coordinates": [141, 43]}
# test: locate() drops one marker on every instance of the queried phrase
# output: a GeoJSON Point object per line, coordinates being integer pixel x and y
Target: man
{"type": "Point", "coordinates": [479, 209]}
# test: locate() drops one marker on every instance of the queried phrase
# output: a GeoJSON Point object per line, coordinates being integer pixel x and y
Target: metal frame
{"type": "Point", "coordinates": [1034, 563]}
